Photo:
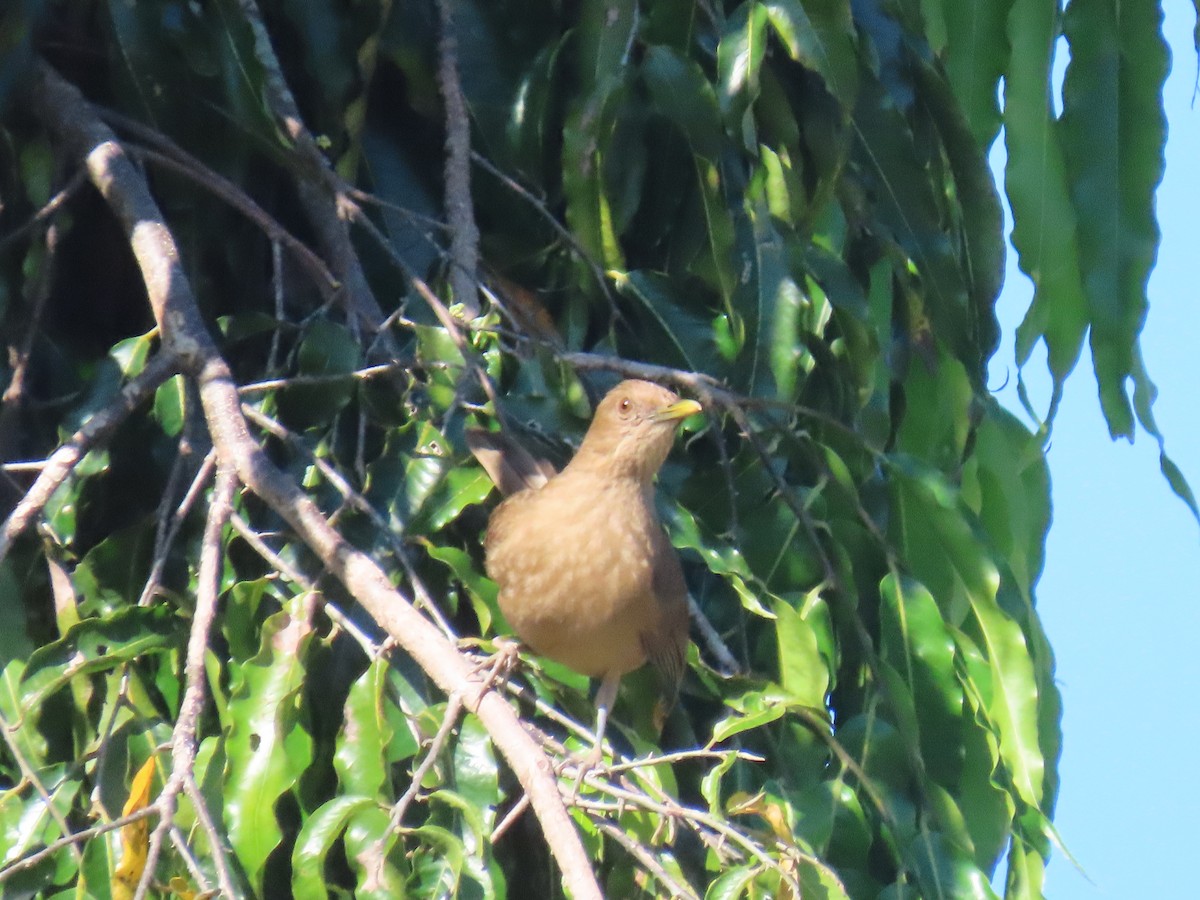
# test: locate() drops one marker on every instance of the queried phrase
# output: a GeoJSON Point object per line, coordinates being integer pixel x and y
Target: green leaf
{"type": "Point", "coordinates": [96, 645]}
{"type": "Point", "coordinates": [1114, 130]}
{"type": "Point", "coordinates": [732, 883]}
{"type": "Point", "coordinates": [752, 709]}
{"type": "Point", "coordinates": [687, 336]}
{"type": "Point", "coordinates": [803, 670]}
{"type": "Point", "coordinates": [368, 834]}
{"type": "Point", "coordinates": [14, 640]}
{"type": "Point", "coordinates": [359, 754]}
{"type": "Point", "coordinates": [945, 552]}
{"type": "Point", "coordinates": [327, 349]}
{"type": "Point", "coordinates": [820, 35]}
{"type": "Point", "coordinates": [481, 589]}
{"type": "Point", "coordinates": [169, 405]}
{"type": "Point", "coordinates": [945, 869]}
{"type": "Point", "coordinates": [476, 774]}
{"type": "Point", "coordinates": [268, 748]}
{"type": "Point", "coordinates": [683, 95]}
{"type": "Point", "coordinates": [936, 425]}
{"type": "Point", "coordinates": [1044, 218]}
{"type": "Point", "coordinates": [315, 840]}
{"type": "Point", "coordinates": [586, 137]}
{"type": "Point", "coordinates": [917, 643]}
{"type": "Point", "coordinates": [976, 56]}
{"type": "Point", "coordinates": [606, 33]}
{"type": "Point", "coordinates": [739, 60]}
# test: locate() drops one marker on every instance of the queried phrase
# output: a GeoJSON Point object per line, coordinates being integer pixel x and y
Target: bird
{"type": "Point", "coordinates": [587, 576]}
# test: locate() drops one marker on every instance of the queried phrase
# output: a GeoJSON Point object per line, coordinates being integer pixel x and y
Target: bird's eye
{"type": "Point", "coordinates": [624, 406]}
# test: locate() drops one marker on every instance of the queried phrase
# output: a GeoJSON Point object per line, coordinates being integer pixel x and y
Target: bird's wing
{"type": "Point", "coordinates": [666, 646]}
{"type": "Point", "coordinates": [511, 467]}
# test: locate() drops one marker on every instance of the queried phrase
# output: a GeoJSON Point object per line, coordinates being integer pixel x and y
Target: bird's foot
{"type": "Point", "coordinates": [500, 664]}
{"type": "Point", "coordinates": [584, 762]}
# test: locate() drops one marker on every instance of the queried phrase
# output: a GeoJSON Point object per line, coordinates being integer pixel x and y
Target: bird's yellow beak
{"type": "Point", "coordinates": [680, 410]}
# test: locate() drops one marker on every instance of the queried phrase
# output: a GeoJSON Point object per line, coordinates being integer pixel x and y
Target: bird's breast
{"type": "Point", "coordinates": [574, 563]}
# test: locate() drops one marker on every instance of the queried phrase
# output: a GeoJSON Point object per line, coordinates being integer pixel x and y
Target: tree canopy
{"type": "Point", "coordinates": [262, 264]}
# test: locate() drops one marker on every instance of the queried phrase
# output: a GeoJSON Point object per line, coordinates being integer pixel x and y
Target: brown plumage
{"type": "Point", "coordinates": [587, 577]}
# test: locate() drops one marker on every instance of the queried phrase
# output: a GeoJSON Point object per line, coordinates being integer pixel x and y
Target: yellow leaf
{"type": "Point", "coordinates": [135, 837]}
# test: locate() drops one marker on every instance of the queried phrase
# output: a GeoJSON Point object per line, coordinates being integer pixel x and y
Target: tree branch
{"type": "Point", "coordinates": [460, 211]}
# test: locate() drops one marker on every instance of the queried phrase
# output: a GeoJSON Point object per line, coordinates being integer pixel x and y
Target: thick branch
{"type": "Point", "coordinates": [184, 332]}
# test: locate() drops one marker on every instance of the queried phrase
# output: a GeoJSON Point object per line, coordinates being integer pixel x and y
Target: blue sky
{"type": "Point", "coordinates": [1119, 592]}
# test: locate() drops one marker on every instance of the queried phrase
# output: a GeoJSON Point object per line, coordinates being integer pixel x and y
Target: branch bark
{"type": "Point", "coordinates": [460, 211]}
{"type": "Point", "coordinates": [185, 336]}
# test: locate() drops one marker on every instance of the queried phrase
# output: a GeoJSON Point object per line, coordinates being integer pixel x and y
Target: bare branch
{"type": "Point", "coordinates": [215, 842]}
{"type": "Point", "coordinates": [359, 502]}
{"type": "Point", "coordinates": [365, 374]}
{"type": "Point", "coordinates": [449, 720]}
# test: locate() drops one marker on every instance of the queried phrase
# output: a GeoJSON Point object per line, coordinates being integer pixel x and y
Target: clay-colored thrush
{"type": "Point", "coordinates": [587, 577]}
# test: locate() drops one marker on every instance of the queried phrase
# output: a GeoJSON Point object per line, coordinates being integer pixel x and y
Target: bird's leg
{"type": "Point", "coordinates": [606, 696]}
{"type": "Point", "coordinates": [586, 761]}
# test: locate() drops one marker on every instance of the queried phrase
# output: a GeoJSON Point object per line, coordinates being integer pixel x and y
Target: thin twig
{"type": "Point", "coordinates": [169, 530]}
{"type": "Point", "coordinates": [29, 775]}
{"type": "Point", "coordinates": [318, 185]}
{"type": "Point", "coordinates": [220, 853]}
{"type": "Point", "coordinates": [33, 465]}
{"type": "Point", "coordinates": [563, 232]}
{"type": "Point", "coordinates": [364, 374]}
{"type": "Point", "coordinates": [449, 720]}
{"type": "Point", "coordinates": [179, 842]}
{"type": "Point", "coordinates": [509, 817]}
{"type": "Point", "coordinates": [646, 859]}
{"type": "Point", "coordinates": [195, 171]}
{"type": "Point", "coordinates": [277, 293]}
{"type": "Point", "coordinates": [28, 862]}
{"type": "Point", "coordinates": [183, 738]}
{"type": "Point", "coordinates": [97, 429]}
{"type": "Point", "coordinates": [280, 565]}
{"type": "Point", "coordinates": [712, 640]}
{"type": "Point", "coordinates": [14, 394]}
{"type": "Point", "coordinates": [53, 205]}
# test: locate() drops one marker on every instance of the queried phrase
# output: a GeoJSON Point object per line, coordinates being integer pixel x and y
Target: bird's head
{"type": "Point", "coordinates": [632, 430]}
